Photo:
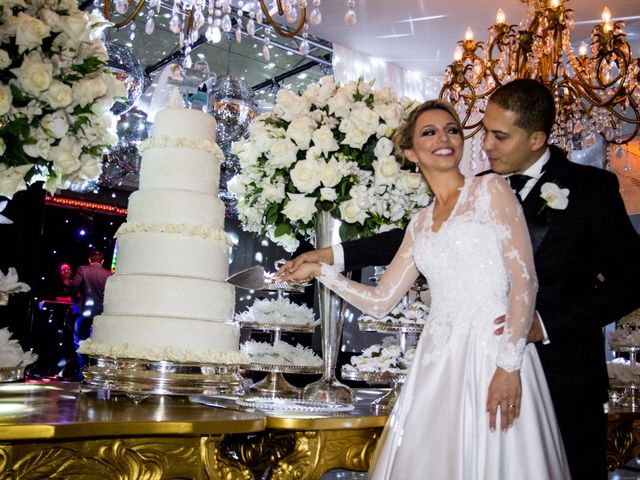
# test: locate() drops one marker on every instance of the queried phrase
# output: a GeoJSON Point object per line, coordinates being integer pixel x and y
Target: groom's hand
{"type": "Point", "coordinates": [321, 255]}
{"type": "Point", "coordinates": [535, 333]}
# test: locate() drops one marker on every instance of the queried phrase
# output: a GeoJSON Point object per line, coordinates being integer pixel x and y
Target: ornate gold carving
{"type": "Point", "coordinates": [122, 459]}
{"type": "Point", "coordinates": [623, 442]}
{"type": "Point", "coordinates": [316, 452]}
{"type": "Point", "coordinates": [217, 464]}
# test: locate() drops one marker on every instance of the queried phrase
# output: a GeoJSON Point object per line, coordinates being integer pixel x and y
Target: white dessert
{"type": "Point", "coordinates": [11, 353]}
{"type": "Point", "coordinates": [169, 299]}
{"type": "Point", "coordinates": [381, 359]}
{"type": "Point", "coordinates": [280, 353]}
{"type": "Point", "coordinates": [627, 334]}
{"type": "Point", "coordinates": [278, 312]}
{"type": "Point", "coordinates": [413, 314]}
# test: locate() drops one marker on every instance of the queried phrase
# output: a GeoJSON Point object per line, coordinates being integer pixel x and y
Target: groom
{"type": "Point", "coordinates": [587, 258]}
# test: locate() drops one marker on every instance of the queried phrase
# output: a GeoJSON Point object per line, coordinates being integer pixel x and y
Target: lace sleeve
{"type": "Point", "coordinates": [394, 283]}
{"type": "Point", "coordinates": [517, 255]}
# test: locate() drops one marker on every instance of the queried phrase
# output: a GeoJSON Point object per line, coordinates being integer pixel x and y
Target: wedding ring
{"type": "Point", "coordinates": [512, 406]}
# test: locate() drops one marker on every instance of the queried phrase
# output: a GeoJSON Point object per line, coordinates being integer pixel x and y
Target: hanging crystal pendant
{"type": "Point", "coordinates": [121, 6]}
{"type": "Point", "coordinates": [350, 18]}
{"type": "Point", "coordinates": [238, 33]}
{"type": "Point", "coordinates": [251, 27]}
{"type": "Point", "coordinates": [150, 25]}
{"type": "Point", "coordinates": [213, 34]}
{"type": "Point", "coordinates": [226, 23]}
{"type": "Point", "coordinates": [316, 16]}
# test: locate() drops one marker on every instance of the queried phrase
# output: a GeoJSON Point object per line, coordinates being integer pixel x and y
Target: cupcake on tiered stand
{"type": "Point", "coordinates": [388, 362]}
{"type": "Point", "coordinates": [277, 315]}
{"type": "Point", "coordinates": [13, 359]}
{"type": "Point", "coordinates": [625, 373]}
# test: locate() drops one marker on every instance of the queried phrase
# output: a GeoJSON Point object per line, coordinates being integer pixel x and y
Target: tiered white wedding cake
{"type": "Point", "coordinates": [169, 299]}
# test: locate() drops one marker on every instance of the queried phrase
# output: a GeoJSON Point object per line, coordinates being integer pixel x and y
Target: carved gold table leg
{"type": "Point", "coordinates": [151, 458]}
{"type": "Point", "coordinates": [623, 442]}
{"type": "Point", "coordinates": [316, 452]}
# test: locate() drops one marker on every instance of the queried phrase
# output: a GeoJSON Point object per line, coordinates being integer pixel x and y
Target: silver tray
{"type": "Point", "coordinates": [287, 405]}
{"type": "Point", "coordinates": [374, 377]}
{"type": "Point", "coordinates": [299, 369]}
{"type": "Point", "coordinates": [11, 374]}
{"type": "Point", "coordinates": [628, 349]}
{"type": "Point", "coordinates": [283, 327]}
{"type": "Point", "coordinates": [139, 377]}
{"type": "Point", "coordinates": [390, 327]}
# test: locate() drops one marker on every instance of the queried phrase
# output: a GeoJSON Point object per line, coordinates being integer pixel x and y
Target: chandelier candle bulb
{"type": "Point", "coordinates": [457, 54]}
{"type": "Point", "coordinates": [468, 34]}
{"type": "Point", "coordinates": [582, 51]}
{"type": "Point", "coordinates": [500, 17]}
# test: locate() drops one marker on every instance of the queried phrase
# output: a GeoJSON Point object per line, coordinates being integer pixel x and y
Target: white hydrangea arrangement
{"type": "Point", "coordinates": [11, 353]}
{"type": "Point", "coordinates": [327, 149]}
{"type": "Point", "coordinates": [380, 358]}
{"type": "Point", "coordinates": [278, 311]}
{"type": "Point", "coordinates": [55, 95]}
{"type": "Point", "coordinates": [280, 353]}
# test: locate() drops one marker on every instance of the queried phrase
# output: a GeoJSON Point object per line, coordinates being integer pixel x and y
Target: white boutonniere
{"type": "Point", "coordinates": [554, 196]}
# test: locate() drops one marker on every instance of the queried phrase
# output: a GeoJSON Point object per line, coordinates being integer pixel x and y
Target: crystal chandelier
{"type": "Point", "coordinates": [192, 18]}
{"type": "Point", "coordinates": [596, 90]}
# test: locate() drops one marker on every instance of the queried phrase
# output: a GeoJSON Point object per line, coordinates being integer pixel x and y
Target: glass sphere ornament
{"type": "Point", "coordinates": [231, 104]}
{"type": "Point", "coordinates": [133, 128]}
{"type": "Point", "coordinates": [127, 69]}
{"type": "Point", "coordinates": [121, 164]}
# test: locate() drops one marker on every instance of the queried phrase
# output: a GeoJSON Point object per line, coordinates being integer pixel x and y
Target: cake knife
{"type": "Point", "coordinates": [252, 278]}
{"type": "Point", "coordinates": [255, 278]}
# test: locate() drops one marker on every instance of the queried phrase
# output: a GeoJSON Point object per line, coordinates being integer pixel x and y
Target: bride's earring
{"type": "Point", "coordinates": [417, 168]}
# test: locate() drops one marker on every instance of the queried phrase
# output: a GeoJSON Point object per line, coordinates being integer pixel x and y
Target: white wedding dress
{"type": "Point", "coordinates": [479, 266]}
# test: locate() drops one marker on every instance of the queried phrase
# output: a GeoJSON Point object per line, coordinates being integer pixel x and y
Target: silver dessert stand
{"type": "Point", "coordinates": [385, 403]}
{"type": "Point", "coordinates": [139, 378]}
{"type": "Point", "coordinates": [11, 374]}
{"type": "Point", "coordinates": [631, 393]}
{"type": "Point", "coordinates": [274, 384]}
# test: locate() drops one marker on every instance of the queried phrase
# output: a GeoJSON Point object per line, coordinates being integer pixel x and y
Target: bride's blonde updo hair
{"type": "Point", "coordinates": [403, 138]}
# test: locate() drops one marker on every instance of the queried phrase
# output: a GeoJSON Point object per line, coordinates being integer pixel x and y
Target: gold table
{"type": "Point", "coordinates": [56, 431]}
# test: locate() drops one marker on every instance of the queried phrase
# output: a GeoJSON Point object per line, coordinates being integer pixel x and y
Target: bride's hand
{"type": "Point", "coordinates": [505, 393]}
{"type": "Point", "coordinates": [306, 271]}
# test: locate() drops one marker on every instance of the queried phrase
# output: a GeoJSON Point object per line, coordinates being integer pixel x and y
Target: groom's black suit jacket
{"type": "Point", "coordinates": [587, 259]}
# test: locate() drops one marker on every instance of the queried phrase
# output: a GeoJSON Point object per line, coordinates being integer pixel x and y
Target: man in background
{"type": "Point", "coordinates": [89, 281]}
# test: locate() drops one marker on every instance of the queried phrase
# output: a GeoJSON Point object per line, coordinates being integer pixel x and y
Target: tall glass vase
{"type": "Point", "coordinates": [328, 389]}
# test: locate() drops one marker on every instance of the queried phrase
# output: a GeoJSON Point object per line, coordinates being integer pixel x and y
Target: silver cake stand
{"type": "Point", "coordinates": [274, 384]}
{"type": "Point", "coordinates": [386, 402]}
{"type": "Point", "coordinates": [139, 378]}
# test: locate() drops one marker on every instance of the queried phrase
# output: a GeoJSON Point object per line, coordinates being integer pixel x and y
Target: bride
{"type": "Point", "coordinates": [475, 405]}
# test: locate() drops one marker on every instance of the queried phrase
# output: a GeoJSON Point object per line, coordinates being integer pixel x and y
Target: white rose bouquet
{"type": "Point", "coordinates": [55, 95]}
{"type": "Point", "coordinates": [328, 149]}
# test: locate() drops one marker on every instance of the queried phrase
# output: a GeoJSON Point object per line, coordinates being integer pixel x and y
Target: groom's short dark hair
{"type": "Point", "coordinates": [531, 101]}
